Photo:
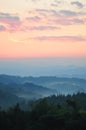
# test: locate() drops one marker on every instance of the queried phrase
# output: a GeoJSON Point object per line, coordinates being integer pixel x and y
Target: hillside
{"type": "Point", "coordinates": [8, 99]}
{"type": "Point", "coordinates": [61, 84]}
{"type": "Point", "coordinates": [13, 91]}
{"type": "Point", "coordinates": [21, 89]}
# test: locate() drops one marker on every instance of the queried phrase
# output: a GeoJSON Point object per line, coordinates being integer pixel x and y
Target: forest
{"type": "Point", "coordinates": [50, 113]}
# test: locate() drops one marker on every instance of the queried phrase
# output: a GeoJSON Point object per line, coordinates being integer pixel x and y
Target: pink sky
{"type": "Point", "coordinates": [42, 28]}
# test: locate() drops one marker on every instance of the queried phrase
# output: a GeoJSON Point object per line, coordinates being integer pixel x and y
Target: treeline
{"type": "Point", "coordinates": [79, 98]}
{"type": "Point", "coordinates": [46, 114]}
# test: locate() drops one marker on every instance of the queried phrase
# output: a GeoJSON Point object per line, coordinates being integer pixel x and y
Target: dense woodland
{"type": "Point", "coordinates": [51, 113]}
{"type": "Point", "coordinates": [42, 103]}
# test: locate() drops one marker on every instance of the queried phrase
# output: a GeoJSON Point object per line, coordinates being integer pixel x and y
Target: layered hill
{"type": "Point", "coordinates": [18, 89]}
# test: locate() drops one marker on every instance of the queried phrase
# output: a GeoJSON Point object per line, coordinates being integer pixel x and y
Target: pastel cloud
{"type": "Point", "coordinates": [41, 20]}
{"type": "Point", "coordinates": [34, 18]}
{"type": "Point", "coordinates": [55, 3]}
{"type": "Point", "coordinates": [67, 13]}
{"type": "Point", "coordinates": [78, 4]}
{"type": "Point", "coordinates": [46, 12]}
{"type": "Point", "coordinates": [59, 38]}
{"type": "Point", "coordinates": [11, 21]}
{"type": "Point", "coordinates": [68, 21]}
{"type": "Point", "coordinates": [63, 12]}
{"type": "Point", "coordinates": [40, 28]}
{"type": "Point", "coordinates": [67, 17]}
{"type": "Point", "coordinates": [2, 28]}
{"type": "Point", "coordinates": [62, 17]}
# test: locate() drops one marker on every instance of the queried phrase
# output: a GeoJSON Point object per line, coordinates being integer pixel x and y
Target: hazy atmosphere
{"type": "Point", "coordinates": [44, 67]}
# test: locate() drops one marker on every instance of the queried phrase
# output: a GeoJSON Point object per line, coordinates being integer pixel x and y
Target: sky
{"type": "Point", "coordinates": [43, 29]}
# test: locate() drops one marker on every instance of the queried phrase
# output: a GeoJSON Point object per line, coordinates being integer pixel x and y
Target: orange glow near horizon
{"type": "Point", "coordinates": [43, 49]}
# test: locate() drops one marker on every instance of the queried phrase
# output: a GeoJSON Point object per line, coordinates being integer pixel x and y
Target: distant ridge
{"type": "Point", "coordinates": [18, 89]}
